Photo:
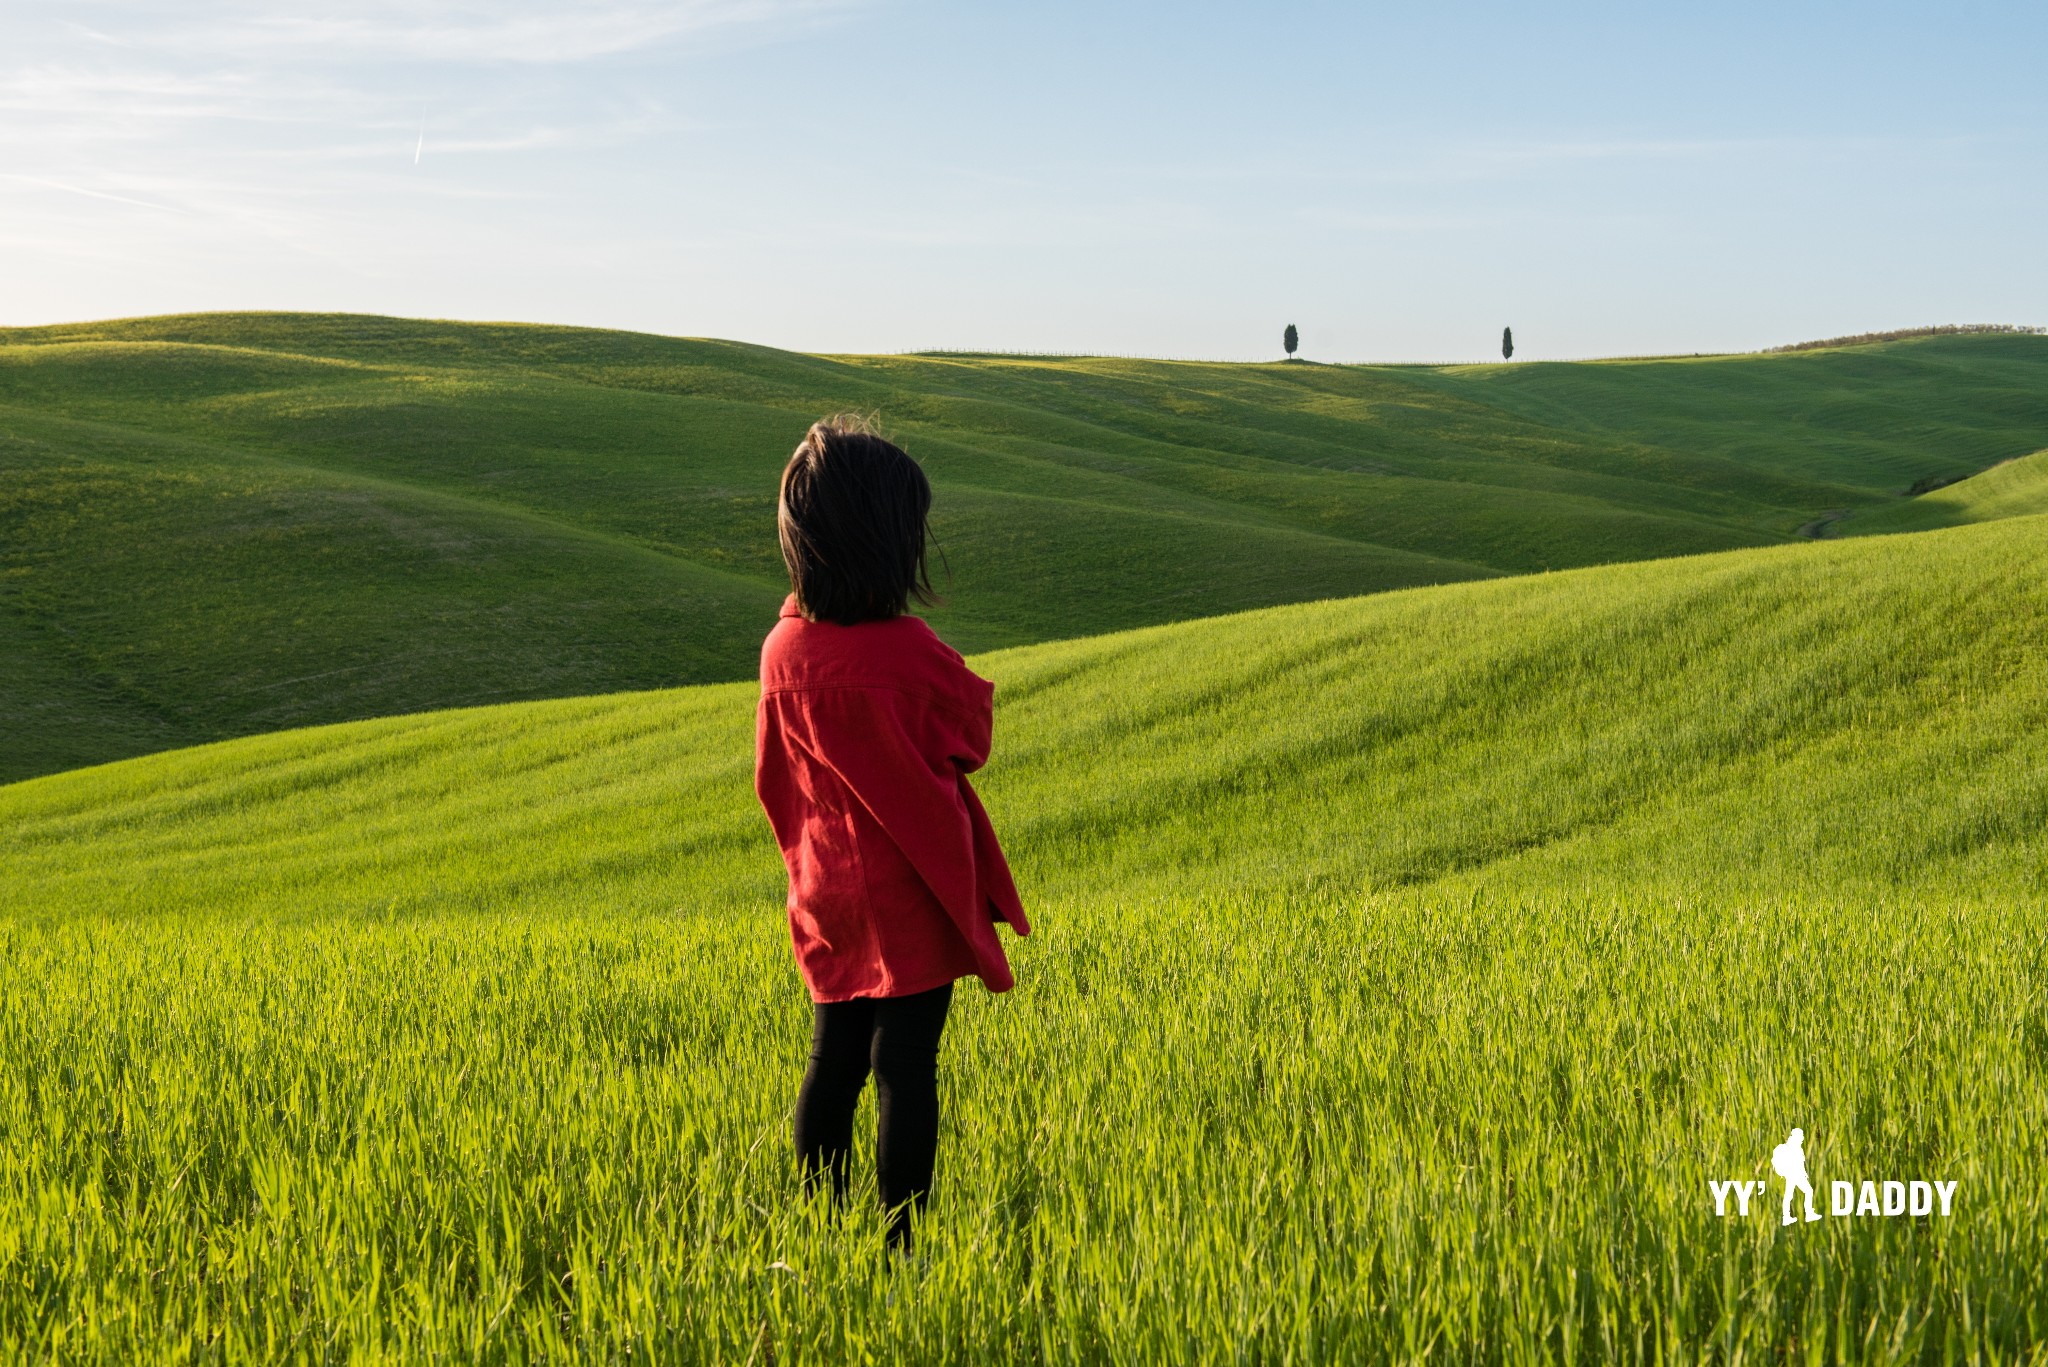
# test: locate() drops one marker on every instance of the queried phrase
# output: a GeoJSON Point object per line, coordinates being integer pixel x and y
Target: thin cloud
{"type": "Point", "coordinates": [1423, 162]}
{"type": "Point", "coordinates": [59, 90]}
{"type": "Point", "coordinates": [436, 143]}
{"type": "Point", "coordinates": [86, 31]}
{"type": "Point", "coordinates": [145, 78]}
{"type": "Point", "coordinates": [1370, 221]}
{"type": "Point", "coordinates": [1551, 152]}
{"type": "Point", "coordinates": [465, 34]}
{"type": "Point", "coordinates": [257, 133]}
{"type": "Point", "coordinates": [90, 193]}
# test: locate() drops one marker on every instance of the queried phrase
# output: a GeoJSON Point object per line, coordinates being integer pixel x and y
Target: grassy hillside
{"type": "Point", "coordinates": [224, 524]}
{"type": "Point", "coordinates": [2013, 488]}
{"type": "Point", "coordinates": [1407, 966]}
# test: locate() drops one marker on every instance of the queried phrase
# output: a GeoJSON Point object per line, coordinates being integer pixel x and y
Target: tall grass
{"type": "Point", "coordinates": [1318, 1132]}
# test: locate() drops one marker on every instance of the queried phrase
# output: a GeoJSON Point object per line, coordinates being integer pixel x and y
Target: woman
{"type": "Point", "coordinates": [869, 725]}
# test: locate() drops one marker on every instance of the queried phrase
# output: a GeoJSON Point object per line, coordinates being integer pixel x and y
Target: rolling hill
{"type": "Point", "coordinates": [1406, 968]}
{"type": "Point", "coordinates": [225, 524]}
{"type": "Point", "coordinates": [2013, 488]}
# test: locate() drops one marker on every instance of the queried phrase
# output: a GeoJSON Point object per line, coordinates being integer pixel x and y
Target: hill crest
{"type": "Point", "coordinates": [220, 524]}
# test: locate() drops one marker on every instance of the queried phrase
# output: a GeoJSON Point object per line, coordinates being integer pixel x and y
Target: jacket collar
{"type": "Point", "coordinates": [789, 607]}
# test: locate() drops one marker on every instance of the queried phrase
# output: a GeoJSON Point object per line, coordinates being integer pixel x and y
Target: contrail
{"type": "Point", "coordinates": [420, 146]}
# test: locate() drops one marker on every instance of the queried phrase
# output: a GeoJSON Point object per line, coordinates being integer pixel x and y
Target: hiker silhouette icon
{"type": "Point", "coordinates": [1788, 1160]}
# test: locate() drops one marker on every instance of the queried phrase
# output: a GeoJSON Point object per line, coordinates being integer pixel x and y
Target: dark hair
{"type": "Point", "coordinates": [852, 524]}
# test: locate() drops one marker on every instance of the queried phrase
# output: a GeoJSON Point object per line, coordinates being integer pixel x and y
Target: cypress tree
{"type": "Point", "coordinates": [1290, 339]}
{"type": "Point", "coordinates": [1507, 344]}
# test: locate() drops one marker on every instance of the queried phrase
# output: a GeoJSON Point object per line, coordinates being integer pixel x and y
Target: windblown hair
{"type": "Point", "coordinates": [852, 521]}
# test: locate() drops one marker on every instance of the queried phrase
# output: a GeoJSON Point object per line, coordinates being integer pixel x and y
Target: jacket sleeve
{"type": "Point", "coordinates": [995, 890]}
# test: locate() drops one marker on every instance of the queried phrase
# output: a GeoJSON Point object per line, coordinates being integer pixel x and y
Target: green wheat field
{"type": "Point", "coordinates": [1579, 805]}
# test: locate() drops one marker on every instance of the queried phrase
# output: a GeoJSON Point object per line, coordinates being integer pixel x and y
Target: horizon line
{"type": "Point", "coordinates": [1869, 338]}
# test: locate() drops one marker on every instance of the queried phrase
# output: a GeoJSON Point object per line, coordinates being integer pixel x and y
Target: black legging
{"type": "Point", "coordinates": [899, 1038]}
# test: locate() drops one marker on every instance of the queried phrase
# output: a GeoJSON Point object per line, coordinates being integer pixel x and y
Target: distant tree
{"type": "Point", "coordinates": [1291, 340]}
{"type": "Point", "coordinates": [1507, 344]}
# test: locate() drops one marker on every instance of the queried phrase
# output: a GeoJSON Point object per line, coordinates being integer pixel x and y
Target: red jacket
{"type": "Point", "coordinates": [863, 744]}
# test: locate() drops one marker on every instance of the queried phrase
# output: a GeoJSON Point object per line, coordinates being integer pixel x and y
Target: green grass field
{"type": "Point", "coordinates": [1406, 967]}
{"type": "Point", "coordinates": [227, 524]}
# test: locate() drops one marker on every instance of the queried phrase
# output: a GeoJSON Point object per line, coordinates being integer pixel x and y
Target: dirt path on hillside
{"type": "Point", "coordinates": [1824, 525]}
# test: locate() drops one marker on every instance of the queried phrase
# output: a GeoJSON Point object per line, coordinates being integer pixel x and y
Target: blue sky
{"type": "Point", "coordinates": [873, 175]}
